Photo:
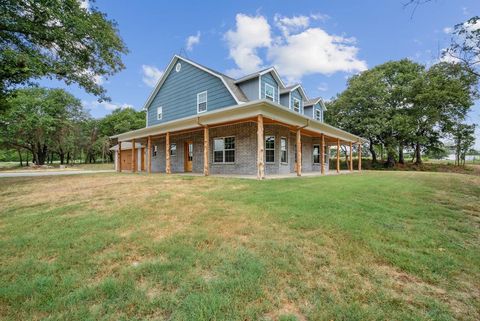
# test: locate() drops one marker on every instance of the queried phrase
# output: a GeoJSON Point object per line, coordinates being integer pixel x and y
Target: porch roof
{"type": "Point", "coordinates": [245, 111]}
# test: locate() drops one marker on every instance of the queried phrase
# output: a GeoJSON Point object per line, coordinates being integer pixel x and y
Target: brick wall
{"type": "Point", "coordinates": [245, 151]}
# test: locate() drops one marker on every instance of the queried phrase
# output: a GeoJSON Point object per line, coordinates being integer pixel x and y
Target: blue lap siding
{"type": "Point", "coordinates": [178, 94]}
{"type": "Point", "coordinates": [268, 79]}
{"type": "Point", "coordinates": [296, 94]}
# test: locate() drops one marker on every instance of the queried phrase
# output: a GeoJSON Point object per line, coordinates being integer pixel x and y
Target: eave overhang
{"type": "Point", "coordinates": [247, 110]}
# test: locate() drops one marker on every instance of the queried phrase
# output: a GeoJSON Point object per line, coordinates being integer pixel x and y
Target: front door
{"type": "Point", "coordinates": [188, 156]}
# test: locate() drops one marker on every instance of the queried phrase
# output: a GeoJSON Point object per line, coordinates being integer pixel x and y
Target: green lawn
{"type": "Point", "coordinates": [375, 246]}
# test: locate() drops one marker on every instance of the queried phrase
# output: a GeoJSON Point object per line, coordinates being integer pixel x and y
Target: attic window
{"type": "Point", "coordinates": [178, 67]}
{"type": "Point", "coordinates": [269, 92]}
{"type": "Point", "coordinates": [318, 114]}
{"type": "Point", "coordinates": [296, 105]}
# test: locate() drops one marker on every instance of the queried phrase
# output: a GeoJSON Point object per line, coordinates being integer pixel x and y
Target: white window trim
{"type": "Point", "coordinates": [234, 150]}
{"type": "Point", "coordinates": [273, 90]}
{"type": "Point", "coordinates": [206, 102]}
{"type": "Point", "coordinates": [170, 150]}
{"type": "Point", "coordinates": [299, 105]}
{"type": "Point", "coordinates": [286, 149]}
{"type": "Point", "coordinates": [319, 154]}
{"type": "Point", "coordinates": [161, 112]}
{"type": "Point", "coordinates": [265, 144]}
{"type": "Point", "coordinates": [319, 114]}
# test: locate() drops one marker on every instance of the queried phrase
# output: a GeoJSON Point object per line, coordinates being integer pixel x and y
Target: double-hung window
{"type": "Point", "coordinates": [159, 113]}
{"type": "Point", "coordinates": [269, 92]}
{"type": "Point", "coordinates": [296, 105]}
{"type": "Point", "coordinates": [283, 150]}
{"type": "Point", "coordinates": [316, 154]}
{"type": "Point", "coordinates": [202, 102]}
{"type": "Point", "coordinates": [224, 150]}
{"type": "Point", "coordinates": [270, 149]}
{"type": "Point", "coordinates": [173, 149]}
{"type": "Point", "coordinates": [318, 114]}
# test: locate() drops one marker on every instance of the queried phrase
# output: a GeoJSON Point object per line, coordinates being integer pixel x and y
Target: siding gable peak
{"type": "Point", "coordinates": [228, 83]}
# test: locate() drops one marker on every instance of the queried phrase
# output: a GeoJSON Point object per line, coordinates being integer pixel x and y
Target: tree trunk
{"type": "Point", "coordinates": [20, 157]}
{"type": "Point", "coordinates": [41, 154]}
{"type": "Point", "coordinates": [418, 154]}
{"type": "Point", "coordinates": [68, 158]}
{"type": "Point", "coordinates": [390, 159]}
{"type": "Point", "coordinates": [401, 159]}
{"type": "Point", "coordinates": [61, 154]}
{"type": "Point", "coordinates": [27, 159]}
{"type": "Point", "coordinates": [372, 151]}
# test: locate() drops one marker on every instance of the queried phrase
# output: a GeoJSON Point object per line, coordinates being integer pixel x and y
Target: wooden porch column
{"type": "Point", "coordinates": [338, 155]}
{"type": "Point", "coordinates": [260, 148]}
{"type": "Point", "coordinates": [206, 151]}
{"type": "Point", "coordinates": [168, 169]}
{"type": "Point", "coordinates": [299, 152]}
{"type": "Point", "coordinates": [119, 160]}
{"type": "Point", "coordinates": [359, 157]}
{"type": "Point", "coordinates": [322, 155]}
{"type": "Point", "coordinates": [149, 154]}
{"type": "Point", "coordinates": [351, 158]}
{"type": "Point", "coordinates": [134, 158]}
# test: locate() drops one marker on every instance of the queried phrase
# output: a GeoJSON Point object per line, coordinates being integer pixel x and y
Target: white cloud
{"type": "Point", "coordinates": [105, 105]}
{"type": "Point", "coordinates": [84, 4]}
{"type": "Point", "coordinates": [447, 30]}
{"type": "Point", "coordinates": [323, 87]}
{"type": "Point", "coordinates": [293, 24]}
{"type": "Point", "coordinates": [192, 41]}
{"type": "Point", "coordinates": [315, 51]}
{"type": "Point", "coordinates": [151, 75]}
{"type": "Point", "coordinates": [299, 50]}
{"type": "Point", "coordinates": [251, 33]}
{"type": "Point", "coordinates": [319, 16]}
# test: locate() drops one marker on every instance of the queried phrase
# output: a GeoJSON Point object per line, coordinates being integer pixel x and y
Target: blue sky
{"type": "Point", "coordinates": [334, 39]}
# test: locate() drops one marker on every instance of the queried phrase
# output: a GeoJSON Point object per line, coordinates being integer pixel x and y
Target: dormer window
{"type": "Point", "coordinates": [296, 105]}
{"type": "Point", "coordinates": [318, 114]}
{"type": "Point", "coordinates": [202, 102]}
{"type": "Point", "coordinates": [269, 92]}
{"type": "Point", "coordinates": [159, 113]}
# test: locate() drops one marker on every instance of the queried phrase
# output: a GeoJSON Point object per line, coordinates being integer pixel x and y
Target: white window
{"type": "Point", "coordinates": [316, 154]}
{"type": "Point", "coordinates": [269, 92]}
{"type": "Point", "coordinates": [155, 150]}
{"type": "Point", "coordinates": [178, 67]}
{"type": "Point", "coordinates": [318, 115]}
{"type": "Point", "coordinates": [270, 149]}
{"type": "Point", "coordinates": [173, 149]}
{"type": "Point", "coordinates": [284, 150]}
{"type": "Point", "coordinates": [159, 113]}
{"type": "Point", "coordinates": [224, 150]}
{"type": "Point", "coordinates": [202, 102]}
{"type": "Point", "coordinates": [296, 105]}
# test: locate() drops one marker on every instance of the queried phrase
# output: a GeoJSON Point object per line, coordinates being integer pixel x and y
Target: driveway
{"type": "Point", "coordinates": [52, 173]}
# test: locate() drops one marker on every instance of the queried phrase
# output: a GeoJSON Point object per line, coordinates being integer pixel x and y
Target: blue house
{"type": "Point", "coordinates": [202, 121]}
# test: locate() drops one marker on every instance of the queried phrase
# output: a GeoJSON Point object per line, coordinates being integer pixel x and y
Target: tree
{"type": "Point", "coordinates": [465, 46]}
{"type": "Point", "coordinates": [38, 119]}
{"type": "Point", "coordinates": [57, 39]}
{"type": "Point", "coordinates": [464, 139]}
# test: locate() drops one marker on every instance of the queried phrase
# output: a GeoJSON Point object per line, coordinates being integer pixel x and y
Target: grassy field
{"type": "Point", "coordinates": [15, 167]}
{"type": "Point", "coordinates": [376, 246]}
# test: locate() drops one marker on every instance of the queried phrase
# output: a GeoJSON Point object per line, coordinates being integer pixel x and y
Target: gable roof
{"type": "Point", "coordinates": [291, 88]}
{"type": "Point", "coordinates": [314, 101]}
{"type": "Point", "coordinates": [272, 70]}
{"type": "Point", "coordinates": [228, 82]}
